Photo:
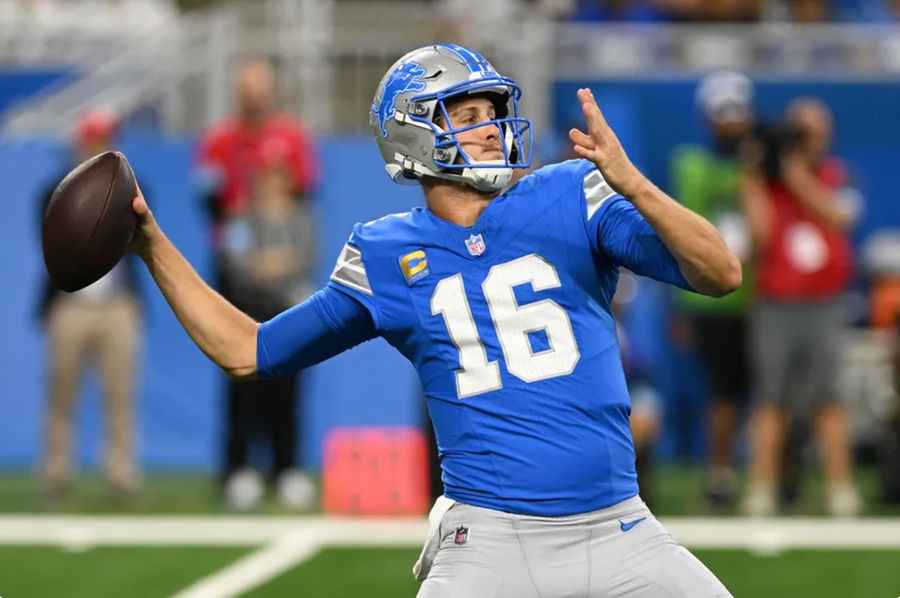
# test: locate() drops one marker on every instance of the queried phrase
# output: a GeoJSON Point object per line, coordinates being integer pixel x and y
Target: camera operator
{"type": "Point", "coordinates": [799, 210]}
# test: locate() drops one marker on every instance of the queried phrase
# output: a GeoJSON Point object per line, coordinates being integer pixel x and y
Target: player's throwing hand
{"type": "Point", "coordinates": [146, 229]}
{"type": "Point", "coordinates": [602, 147]}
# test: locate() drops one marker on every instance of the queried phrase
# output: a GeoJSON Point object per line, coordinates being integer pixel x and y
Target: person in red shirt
{"type": "Point", "coordinates": [236, 170]}
{"type": "Point", "coordinates": [231, 153]}
{"type": "Point", "coordinates": [800, 212]}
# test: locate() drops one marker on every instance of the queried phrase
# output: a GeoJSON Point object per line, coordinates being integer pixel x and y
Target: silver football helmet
{"type": "Point", "coordinates": [413, 93]}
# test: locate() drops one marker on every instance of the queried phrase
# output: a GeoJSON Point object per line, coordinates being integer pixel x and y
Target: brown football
{"type": "Point", "coordinates": [89, 221]}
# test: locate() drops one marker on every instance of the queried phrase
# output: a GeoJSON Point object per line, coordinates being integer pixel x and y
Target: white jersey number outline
{"type": "Point", "coordinates": [512, 323]}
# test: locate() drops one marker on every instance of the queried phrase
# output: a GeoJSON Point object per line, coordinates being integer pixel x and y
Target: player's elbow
{"type": "Point", "coordinates": [240, 373]}
{"type": "Point", "coordinates": [240, 362]}
{"type": "Point", "coordinates": [729, 279]}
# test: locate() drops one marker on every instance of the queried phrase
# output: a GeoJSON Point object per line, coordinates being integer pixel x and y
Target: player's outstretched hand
{"type": "Point", "coordinates": [601, 146]}
{"type": "Point", "coordinates": [147, 229]}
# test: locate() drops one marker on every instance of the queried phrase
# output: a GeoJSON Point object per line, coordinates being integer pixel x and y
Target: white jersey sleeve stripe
{"type": "Point", "coordinates": [350, 270]}
{"type": "Point", "coordinates": [596, 192]}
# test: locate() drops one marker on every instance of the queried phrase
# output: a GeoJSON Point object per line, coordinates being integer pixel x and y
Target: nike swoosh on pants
{"type": "Point", "coordinates": [627, 526]}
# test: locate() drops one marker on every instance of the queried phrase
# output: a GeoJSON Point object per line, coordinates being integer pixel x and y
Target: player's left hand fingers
{"type": "Point", "coordinates": [597, 125]}
{"type": "Point", "coordinates": [579, 138]}
{"type": "Point", "coordinates": [583, 152]}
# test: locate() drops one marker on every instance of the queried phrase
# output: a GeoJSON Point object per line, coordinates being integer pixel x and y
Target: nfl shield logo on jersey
{"type": "Point", "coordinates": [475, 245]}
{"type": "Point", "coordinates": [462, 535]}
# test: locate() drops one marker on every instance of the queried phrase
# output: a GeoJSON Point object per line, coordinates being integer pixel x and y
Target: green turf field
{"type": "Point", "coordinates": [677, 490]}
{"type": "Point", "coordinates": [37, 572]}
{"type": "Point", "coordinates": [338, 573]}
{"type": "Point", "coordinates": [135, 572]}
{"type": "Point", "coordinates": [812, 573]}
{"type": "Point", "coordinates": [45, 571]}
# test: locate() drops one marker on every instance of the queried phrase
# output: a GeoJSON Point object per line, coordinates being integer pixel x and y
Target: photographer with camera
{"type": "Point", "coordinates": [799, 211]}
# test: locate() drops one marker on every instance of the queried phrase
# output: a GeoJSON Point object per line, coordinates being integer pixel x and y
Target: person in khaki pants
{"type": "Point", "coordinates": [98, 326]}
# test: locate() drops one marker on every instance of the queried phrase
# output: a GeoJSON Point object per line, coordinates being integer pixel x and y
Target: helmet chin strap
{"type": "Point", "coordinates": [488, 179]}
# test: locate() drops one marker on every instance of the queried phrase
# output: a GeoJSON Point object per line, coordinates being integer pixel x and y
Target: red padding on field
{"type": "Point", "coordinates": [375, 471]}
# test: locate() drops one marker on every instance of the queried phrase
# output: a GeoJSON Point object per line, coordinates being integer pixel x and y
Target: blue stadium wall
{"type": "Point", "coordinates": [180, 405]}
{"type": "Point", "coordinates": [179, 412]}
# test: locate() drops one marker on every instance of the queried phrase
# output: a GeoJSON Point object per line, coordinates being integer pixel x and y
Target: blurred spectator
{"type": "Point", "coordinates": [230, 155]}
{"type": "Point", "coordinates": [809, 11]}
{"type": "Point", "coordinates": [646, 408]}
{"type": "Point", "coordinates": [264, 152]}
{"type": "Point", "coordinates": [721, 10]}
{"type": "Point", "coordinates": [880, 260]}
{"type": "Point", "coordinates": [554, 9]}
{"type": "Point", "coordinates": [872, 11]}
{"type": "Point", "coordinates": [267, 260]}
{"type": "Point", "coordinates": [799, 210]}
{"type": "Point", "coordinates": [890, 458]}
{"type": "Point", "coordinates": [100, 326]}
{"type": "Point", "coordinates": [666, 10]}
{"type": "Point", "coordinates": [705, 179]}
{"type": "Point", "coordinates": [618, 10]}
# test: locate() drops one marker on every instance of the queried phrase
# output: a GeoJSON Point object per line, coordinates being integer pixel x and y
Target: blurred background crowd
{"type": "Point", "coordinates": [657, 11]}
{"type": "Point", "coordinates": [246, 124]}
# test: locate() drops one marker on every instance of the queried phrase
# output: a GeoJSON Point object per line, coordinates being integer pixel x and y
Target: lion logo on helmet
{"type": "Point", "coordinates": [406, 77]}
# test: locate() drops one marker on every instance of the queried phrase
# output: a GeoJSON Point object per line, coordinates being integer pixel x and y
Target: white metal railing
{"type": "Point", "coordinates": [178, 67]}
{"type": "Point", "coordinates": [122, 71]}
{"type": "Point", "coordinates": [40, 32]}
{"type": "Point", "coordinates": [825, 52]}
{"type": "Point", "coordinates": [330, 55]}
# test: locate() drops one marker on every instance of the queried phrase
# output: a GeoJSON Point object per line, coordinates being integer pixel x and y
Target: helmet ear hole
{"type": "Point", "coordinates": [445, 154]}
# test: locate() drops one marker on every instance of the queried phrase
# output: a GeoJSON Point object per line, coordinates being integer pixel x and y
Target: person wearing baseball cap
{"type": "Point", "coordinates": [706, 179]}
{"type": "Point", "coordinates": [100, 324]}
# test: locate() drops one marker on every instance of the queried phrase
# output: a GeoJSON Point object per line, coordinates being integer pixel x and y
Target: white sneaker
{"type": "Point", "coordinates": [844, 500]}
{"type": "Point", "coordinates": [296, 490]}
{"type": "Point", "coordinates": [759, 501]}
{"type": "Point", "coordinates": [244, 490]}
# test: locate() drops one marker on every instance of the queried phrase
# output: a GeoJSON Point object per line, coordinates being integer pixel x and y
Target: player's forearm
{"type": "Point", "coordinates": [225, 334]}
{"type": "Point", "coordinates": [702, 255]}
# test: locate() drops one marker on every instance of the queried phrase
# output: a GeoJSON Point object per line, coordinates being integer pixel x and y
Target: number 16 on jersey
{"type": "Point", "coordinates": [512, 323]}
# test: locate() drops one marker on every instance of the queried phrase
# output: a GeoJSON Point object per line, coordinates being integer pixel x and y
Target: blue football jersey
{"type": "Point", "coordinates": [509, 325]}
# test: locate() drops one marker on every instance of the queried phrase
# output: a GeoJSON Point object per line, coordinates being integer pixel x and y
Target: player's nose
{"type": "Point", "coordinates": [491, 132]}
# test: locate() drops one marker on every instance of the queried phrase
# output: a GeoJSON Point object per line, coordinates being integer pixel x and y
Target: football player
{"type": "Point", "coordinates": [500, 296]}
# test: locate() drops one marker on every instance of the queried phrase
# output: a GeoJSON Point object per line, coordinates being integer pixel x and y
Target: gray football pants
{"type": "Point", "coordinates": [617, 552]}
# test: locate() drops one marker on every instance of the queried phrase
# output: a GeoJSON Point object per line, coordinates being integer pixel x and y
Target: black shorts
{"type": "Point", "coordinates": [722, 346]}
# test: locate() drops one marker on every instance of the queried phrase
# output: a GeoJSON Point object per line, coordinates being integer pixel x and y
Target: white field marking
{"type": "Point", "coordinates": [113, 530]}
{"type": "Point", "coordinates": [256, 568]}
{"type": "Point", "coordinates": [786, 533]}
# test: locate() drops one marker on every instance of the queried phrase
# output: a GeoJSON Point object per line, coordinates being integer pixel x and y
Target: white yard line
{"type": "Point", "coordinates": [256, 568]}
{"type": "Point", "coordinates": [289, 541]}
{"type": "Point", "coordinates": [114, 530]}
{"type": "Point", "coordinates": [786, 532]}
